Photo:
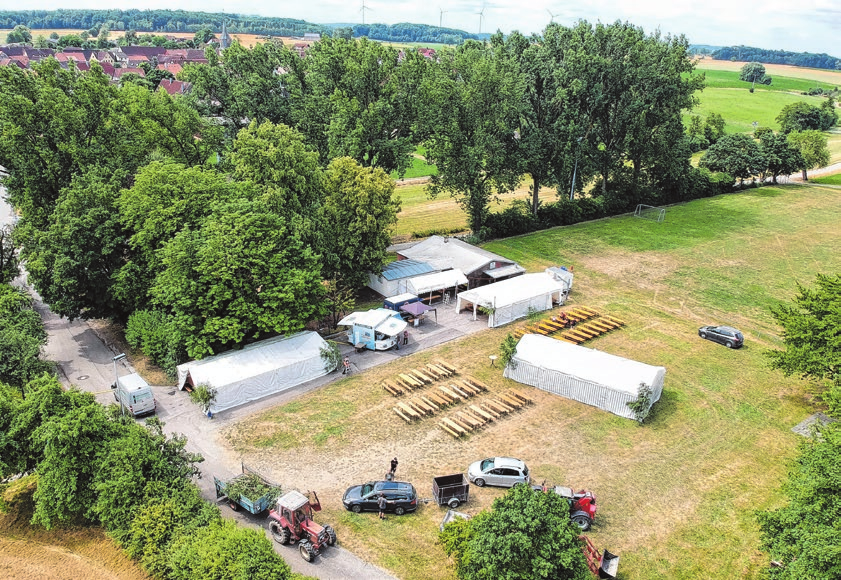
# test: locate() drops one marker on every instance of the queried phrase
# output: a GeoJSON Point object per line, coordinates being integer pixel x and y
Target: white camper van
{"type": "Point", "coordinates": [135, 395]}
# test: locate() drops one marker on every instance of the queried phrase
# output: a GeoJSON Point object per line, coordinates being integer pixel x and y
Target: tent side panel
{"type": "Point", "coordinates": [270, 383]}
{"type": "Point", "coordinates": [570, 387]}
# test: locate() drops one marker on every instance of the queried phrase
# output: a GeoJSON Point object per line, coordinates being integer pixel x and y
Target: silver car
{"type": "Point", "coordinates": [499, 471]}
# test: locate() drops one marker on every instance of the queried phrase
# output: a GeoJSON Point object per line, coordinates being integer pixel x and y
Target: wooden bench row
{"type": "Point", "coordinates": [548, 326]}
{"type": "Point", "coordinates": [591, 329]}
{"type": "Point", "coordinates": [419, 378]}
{"type": "Point", "coordinates": [478, 415]}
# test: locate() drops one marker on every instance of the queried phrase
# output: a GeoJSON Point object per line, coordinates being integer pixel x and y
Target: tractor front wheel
{"type": "Point", "coordinates": [331, 535]}
{"type": "Point", "coordinates": [307, 551]}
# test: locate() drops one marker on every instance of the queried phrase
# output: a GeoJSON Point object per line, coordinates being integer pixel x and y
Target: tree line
{"type": "Point", "coordinates": [804, 59]}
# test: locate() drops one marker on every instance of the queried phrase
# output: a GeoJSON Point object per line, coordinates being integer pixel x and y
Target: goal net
{"type": "Point", "coordinates": [650, 212]}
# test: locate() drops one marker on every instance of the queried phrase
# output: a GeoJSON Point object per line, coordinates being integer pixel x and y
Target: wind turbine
{"type": "Point", "coordinates": [481, 14]}
{"type": "Point", "coordinates": [362, 10]}
{"type": "Point", "coordinates": [551, 16]}
{"type": "Point", "coordinates": [441, 16]}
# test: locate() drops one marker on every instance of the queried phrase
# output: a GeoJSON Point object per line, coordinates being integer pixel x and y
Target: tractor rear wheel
{"type": "Point", "coordinates": [331, 535]}
{"type": "Point", "coordinates": [280, 534]}
{"type": "Point", "coordinates": [582, 520]}
{"type": "Point", "coordinates": [307, 551]}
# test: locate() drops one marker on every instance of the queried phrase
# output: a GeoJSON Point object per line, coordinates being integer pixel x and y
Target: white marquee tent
{"type": "Point", "coordinates": [513, 298]}
{"type": "Point", "coordinates": [586, 375]}
{"type": "Point", "coordinates": [258, 370]}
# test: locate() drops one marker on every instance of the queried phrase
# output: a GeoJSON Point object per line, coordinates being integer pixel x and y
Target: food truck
{"type": "Point", "coordinates": [377, 329]}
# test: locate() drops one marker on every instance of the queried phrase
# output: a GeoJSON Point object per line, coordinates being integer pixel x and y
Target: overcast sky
{"type": "Point", "coordinates": [803, 25]}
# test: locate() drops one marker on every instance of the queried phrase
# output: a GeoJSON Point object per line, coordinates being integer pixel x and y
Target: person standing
{"type": "Point", "coordinates": [346, 364]}
{"type": "Point", "coordinates": [394, 463]}
{"type": "Point", "coordinates": [405, 337]}
{"type": "Point", "coordinates": [381, 503]}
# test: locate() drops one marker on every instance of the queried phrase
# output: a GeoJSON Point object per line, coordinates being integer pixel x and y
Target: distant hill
{"type": "Point", "coordinates": [752, 54]}
{"type": "Point", "coordinates": [163, 21]}
{"type": "Point", "coordinates": [702, 48]}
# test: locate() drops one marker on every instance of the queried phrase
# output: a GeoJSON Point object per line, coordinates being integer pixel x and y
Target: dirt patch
{"type": "Point", "coordinates": [644, 270]}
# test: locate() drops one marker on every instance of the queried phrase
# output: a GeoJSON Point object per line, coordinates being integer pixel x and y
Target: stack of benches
{"type": "Point", "coordinates": [588, 325]}
{"type": "Point", "coordinates": [432, 401]}
{"type": "Point", "coordinates": [419, 378]}
{"type": "Point", "coordinates": [478, 415]}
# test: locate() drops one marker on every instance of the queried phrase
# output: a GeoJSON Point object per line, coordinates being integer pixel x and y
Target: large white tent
{"type": "Point", "coordinates": [586, 375]}
{"type": "Point", "coordinates": [514, 298]}
{"type": "Point", "coordinates": [258, 370]}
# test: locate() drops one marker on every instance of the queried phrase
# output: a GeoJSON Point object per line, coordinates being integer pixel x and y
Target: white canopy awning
{"type": "Point", "coordinates": [380, 319]}
{"type": "Point", "coordinates": [514, 298]}
{"type": "Point", "coordinates": [436, 281]}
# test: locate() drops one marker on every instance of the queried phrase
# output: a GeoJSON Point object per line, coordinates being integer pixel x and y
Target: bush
{"type": "Point", "coordinates": [157, 336]}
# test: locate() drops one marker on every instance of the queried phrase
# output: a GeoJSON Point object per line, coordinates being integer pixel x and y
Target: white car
{"type": "Point", "coordinates": [499, 471]}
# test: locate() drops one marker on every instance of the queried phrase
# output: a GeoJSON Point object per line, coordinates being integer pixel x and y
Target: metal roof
{"type": "Point", "coordinates": [405, 269]}
{"type": "Point", "coordinates": [293, 500]}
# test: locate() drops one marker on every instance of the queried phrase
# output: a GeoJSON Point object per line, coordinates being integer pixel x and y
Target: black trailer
{"type": "Point", "coordinates": [450, 490]}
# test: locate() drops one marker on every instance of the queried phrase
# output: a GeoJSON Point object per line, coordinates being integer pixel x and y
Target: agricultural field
{"type": "Point", "coordinates": [724, 79]}
{"type": "Point", "coordinates": [74, 553]}
{"type": "Point", "coordinates": [776, 70]}
{"type": "Point", "coordinates": [677, 496]}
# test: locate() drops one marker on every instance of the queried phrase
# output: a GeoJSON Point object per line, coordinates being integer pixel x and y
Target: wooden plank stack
{"type": "Point", "coordinates": [588, 325]}
{"type": "Point", "coordinates": [419, 378]}
{"type": "Point", "coordinates": [476, 416]}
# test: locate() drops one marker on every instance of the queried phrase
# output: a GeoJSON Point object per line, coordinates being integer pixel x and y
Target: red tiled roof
{"type": "Point", "coordinates": [174, 87]}
{"type": "Point", "coordinates": [172, 67]}
{"type": "Point", "coordinates": [118, 72]}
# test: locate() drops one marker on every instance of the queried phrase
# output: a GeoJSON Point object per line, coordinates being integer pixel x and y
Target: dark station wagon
{"type": "Point", "coordinates": [726, 335]}
{"type": "Point", "coordinates": [401, 497]}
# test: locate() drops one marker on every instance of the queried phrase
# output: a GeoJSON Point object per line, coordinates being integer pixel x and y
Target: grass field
{"type": "Point", "coordinates": [829, 180]}
{"type": "Point", "coordinates": [741, 108]}
{"type": "Point", "coordinates": [677, 496]}
{"type": "Point", "coordinates": [418, 213]}
{"type": "Point", "coordinates": [725, 79]}
{"type": "Point", "coordinates": [777, 70]}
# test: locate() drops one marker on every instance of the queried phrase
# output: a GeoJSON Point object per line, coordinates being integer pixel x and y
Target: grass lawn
{"type": "Point", "coordinates": [724, 79]}
{"type": "Point", "coordinates": [676, 496]}
{"type": "Point", "coordinates": [420, 214]}
{"type": "Point", "coordinates": [829, 179]}
{"type": "Point", "coordinates": [741, 108]}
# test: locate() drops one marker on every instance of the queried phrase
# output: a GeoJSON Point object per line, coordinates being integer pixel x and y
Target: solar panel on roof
{"type": "Point", "coordinates": [405, 269]}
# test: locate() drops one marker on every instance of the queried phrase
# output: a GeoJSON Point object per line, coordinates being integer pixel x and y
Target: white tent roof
{"type": "Point", "coordinates": [512, 290]}
{"type": "Point", "coordinates": [258, 370]}
{"type": "Point", "coordinates": [621, 374]}
{"type": "Point", "coordinates": [436, 281]}
{"type": "Point", "coordinates": [380, 319]}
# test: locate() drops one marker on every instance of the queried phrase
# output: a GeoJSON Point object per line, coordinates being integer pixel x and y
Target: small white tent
{"type": "Point", "coordinates": [514, 298]}
{"type": "Point", "coordinates": [258, 370]}
{"type": "Point", "coordinates": [589, 376]}
{"type": "Point", "coordinates": [436, 282]}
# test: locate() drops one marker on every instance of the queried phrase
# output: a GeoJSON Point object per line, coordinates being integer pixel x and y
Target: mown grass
{"type": "Point", "coordinates": [724, 79]}
{"type": "Point", "coordinates": [829, 179]}
{"type": "Point", "coordinates": [677, 497]}
{"type": "Point", "coordinates": [741, 108]}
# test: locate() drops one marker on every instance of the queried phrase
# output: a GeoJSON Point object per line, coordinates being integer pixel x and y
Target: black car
{"type": "Point", "coordinates": [726, 335]}
{"type": "Point", "coordinates": [401, 497]}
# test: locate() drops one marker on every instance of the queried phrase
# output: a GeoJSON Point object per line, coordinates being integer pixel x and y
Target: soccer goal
{"type": "Point", "coordinates": [650, 212]}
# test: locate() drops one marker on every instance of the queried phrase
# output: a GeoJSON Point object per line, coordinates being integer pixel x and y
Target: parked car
{"type": "Point", "coordinates": [401, 497]}
{"type": "Point", "coordinates": [499, 471]}
{"type": "Point", "coordinates": [726, 335]}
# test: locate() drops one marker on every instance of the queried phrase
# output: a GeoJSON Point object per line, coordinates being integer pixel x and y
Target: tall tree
{"type": "Point", "coordinates": [472, 102]}
{"type": "Point", "coordinates": [243, 275]}
{"type": "Point", "coordinates": [9, 268]}
{"type": "Point", "coordinates": [812, 337]}
{"type": "Point", "coordinates": [754, 72]}
{"type": "Point", "coordinates": [526, 535]}
{"type": "Point", "coordinates": [813, 149]}
{"type": "Point", "coordinates": [360, 208]}
{"type": "Point", "coordinates": [22, 336]}
{"type": "Point", "coordinates": [779, 157]}
{"type": "Point", "coordinates": [736, 154]}
{"type": "Point", "coordinates": [800, 116]}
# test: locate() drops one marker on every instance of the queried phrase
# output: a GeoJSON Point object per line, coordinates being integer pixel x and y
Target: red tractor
{"type": "Point", "coordinates": [582, 504]}
{"type": "Point", "coordinates": [291, 521]}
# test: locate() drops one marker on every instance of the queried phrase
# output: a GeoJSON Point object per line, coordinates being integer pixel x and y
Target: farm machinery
{"type": "Point", "coordinates": [291, 522]}
{"type": "Point", "coordinates": [602, 565]}
{"type": "Point", "coordinates": [582, 503]}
